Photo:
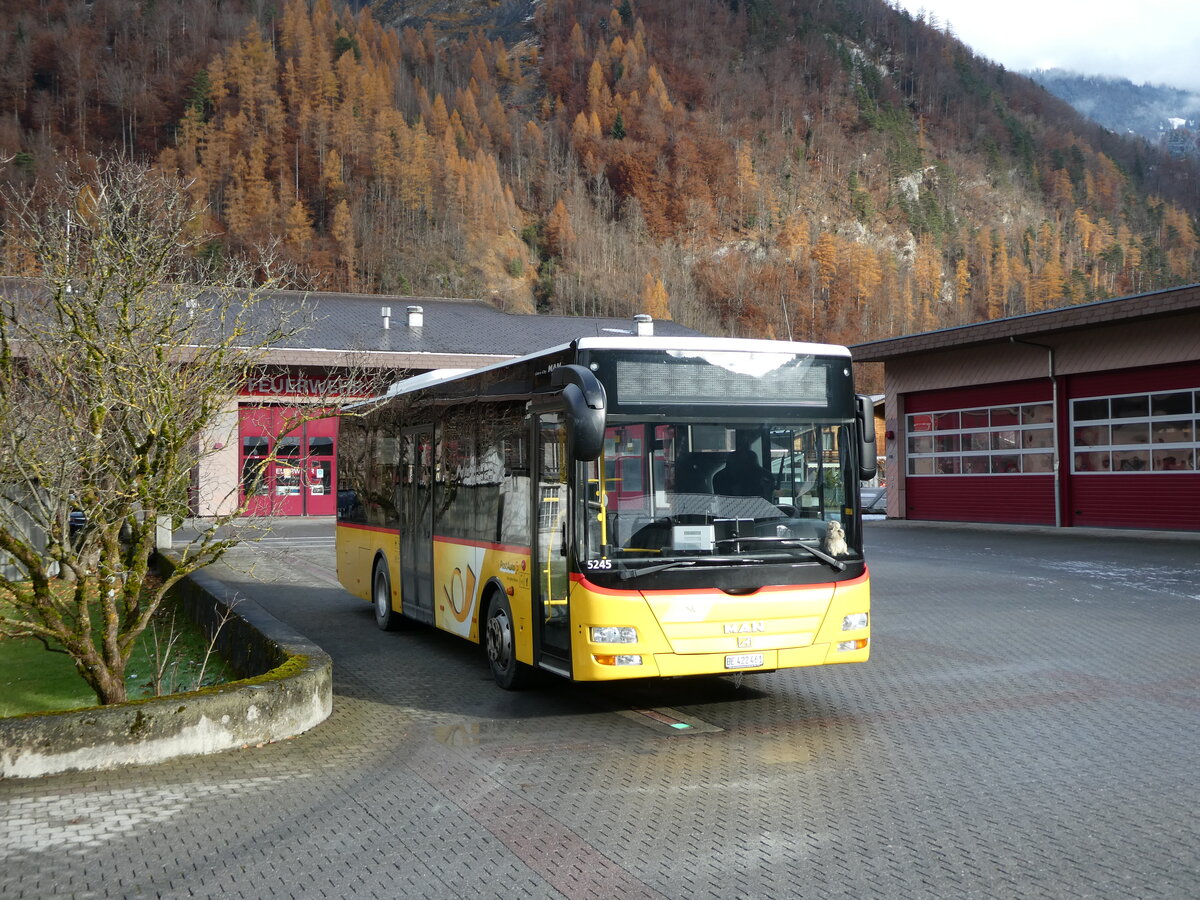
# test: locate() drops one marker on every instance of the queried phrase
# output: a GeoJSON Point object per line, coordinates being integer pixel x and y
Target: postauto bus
{"type": "Point", "coordinates": [627, 507]}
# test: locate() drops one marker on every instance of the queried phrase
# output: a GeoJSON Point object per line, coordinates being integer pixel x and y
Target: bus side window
{"type": "Point", "coordinates": [513, 506]}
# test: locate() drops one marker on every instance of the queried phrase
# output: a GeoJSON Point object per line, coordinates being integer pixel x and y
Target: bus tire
{"type": "Point", "coordinates": [381, 598]}
{"type": "Point", "coordinates": [500, 642]}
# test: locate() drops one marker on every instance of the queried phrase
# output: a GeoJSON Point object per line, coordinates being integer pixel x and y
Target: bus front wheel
{"type": "Point", "coordinates": [501, 644]}
{"type": "Point", "coordinates": [381, 597]}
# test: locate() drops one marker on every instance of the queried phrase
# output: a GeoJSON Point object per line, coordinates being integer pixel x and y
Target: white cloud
{"type": "Point", "coordinates": [1155, 41]}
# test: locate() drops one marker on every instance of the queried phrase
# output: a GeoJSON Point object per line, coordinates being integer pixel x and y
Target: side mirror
{"type": "Point", "coordinates": [865, 421]}
{"type": "Point", "coordinates": [586, 403]}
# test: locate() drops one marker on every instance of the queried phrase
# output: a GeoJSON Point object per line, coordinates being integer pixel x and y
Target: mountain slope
{"type": "Point", "coordinates": [1147, 110]}
{"type": "Point", "coordinates": [760, 167]}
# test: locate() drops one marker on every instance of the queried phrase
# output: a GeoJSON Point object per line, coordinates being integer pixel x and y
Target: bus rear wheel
{"type": "Point", "coordinates": [500, 641]}
{"type": "Point", "coordinates": [381, 598]}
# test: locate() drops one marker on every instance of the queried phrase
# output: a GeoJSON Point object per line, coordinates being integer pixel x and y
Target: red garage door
{"type": "Point", "coordinates": [981, 454]}
{"type": "Point", "coordinates": [292, 474]}
{"type": "Point", "coordinates": [1135, 449]}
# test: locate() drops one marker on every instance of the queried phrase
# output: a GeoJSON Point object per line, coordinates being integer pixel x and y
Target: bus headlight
{"type": "Point", "coordinates": [613, 634]}
{"type": "Point", "coordinates": [854, 621]}
{"type": "Point", "coordinates": [860, 644]}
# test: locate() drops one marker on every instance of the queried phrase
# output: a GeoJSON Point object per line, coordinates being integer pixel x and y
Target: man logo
{"type": "Point", "coordinates": [745, 627]}
{"type": "Point", "coordinates": [745, 643]}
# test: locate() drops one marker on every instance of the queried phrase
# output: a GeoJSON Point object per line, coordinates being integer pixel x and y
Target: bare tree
{"type": "Point", "coordinates": [119, 348]}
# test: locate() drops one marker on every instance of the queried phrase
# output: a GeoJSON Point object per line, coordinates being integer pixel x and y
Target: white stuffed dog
{"type": "Point", "coordinates": [835, 540]}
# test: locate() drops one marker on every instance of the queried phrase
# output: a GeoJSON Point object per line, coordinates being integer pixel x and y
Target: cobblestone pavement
{"type": "Point", "coordinates": [1027, 727]}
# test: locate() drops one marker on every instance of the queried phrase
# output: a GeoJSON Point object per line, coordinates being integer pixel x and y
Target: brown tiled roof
{"type": "Point", "coordinates": [1040, 324]}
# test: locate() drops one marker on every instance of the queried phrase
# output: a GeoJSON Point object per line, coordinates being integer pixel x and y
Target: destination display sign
{"type": "Point", "coordinates": [760, 379]}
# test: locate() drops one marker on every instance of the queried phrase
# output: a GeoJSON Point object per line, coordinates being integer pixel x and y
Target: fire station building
{"type": "Point", "coordinates": [345, 336]}
{"type": "Point", "coordinates": [1083, 416]}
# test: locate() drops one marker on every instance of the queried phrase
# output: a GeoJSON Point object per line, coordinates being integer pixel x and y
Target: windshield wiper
{"type": "Point", "coordinates": [824, 557]}
{"type": "Point", "coordinates": [628, 573]}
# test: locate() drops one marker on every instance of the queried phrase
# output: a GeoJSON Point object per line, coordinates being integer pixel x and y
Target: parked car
{"type": "Point", "coordinates": [76, 523]}
{"type": "Point", "coordinates": [874, 501]}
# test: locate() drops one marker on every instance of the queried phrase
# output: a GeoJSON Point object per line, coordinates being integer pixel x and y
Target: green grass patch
{"type": "Point", "coordinates": [33, 679]}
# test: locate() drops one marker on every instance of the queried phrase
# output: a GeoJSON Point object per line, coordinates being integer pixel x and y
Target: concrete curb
{"type": "Point", "coordinates": [287, 689]}
{"type": "Point", "coordinates": [1122, 534]}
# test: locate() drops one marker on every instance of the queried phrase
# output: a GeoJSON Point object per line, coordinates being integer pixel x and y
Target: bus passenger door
{"type": "Point", "coordinates": [416, 525]}
{"type": "Point", "coordinates": [552, 627]}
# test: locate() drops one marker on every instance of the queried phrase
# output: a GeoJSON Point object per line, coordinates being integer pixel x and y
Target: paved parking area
{"type": "Point", "coordinates": [1027, 727]}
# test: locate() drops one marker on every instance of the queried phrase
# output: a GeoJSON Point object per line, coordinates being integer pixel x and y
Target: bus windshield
{"type": "Point", "coordinates": [714, 492]}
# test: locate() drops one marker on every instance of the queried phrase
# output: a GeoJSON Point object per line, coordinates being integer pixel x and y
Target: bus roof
{"type": "Point", "coordinates": [648, 342]}
{"type": "Point", "coordinates": [745, 345]}
{"type": "Point", "coordinates": [426, 379]}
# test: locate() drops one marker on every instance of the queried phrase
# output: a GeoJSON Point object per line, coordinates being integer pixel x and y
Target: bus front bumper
{"type": "Point", "coordinates": [676, 665]}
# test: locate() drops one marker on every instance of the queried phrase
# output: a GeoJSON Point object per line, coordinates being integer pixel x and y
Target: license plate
{"type": "Point", "coordinates": [743, 660]}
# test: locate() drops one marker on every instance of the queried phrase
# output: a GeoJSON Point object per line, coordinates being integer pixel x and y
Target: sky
{"type": "Point", "coordinates": [1155, 41]}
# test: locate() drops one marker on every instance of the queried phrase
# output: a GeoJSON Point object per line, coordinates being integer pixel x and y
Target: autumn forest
{"type": "Point", "coordinates": [815, 169]}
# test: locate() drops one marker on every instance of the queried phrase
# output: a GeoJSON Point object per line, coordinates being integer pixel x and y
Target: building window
{"type": "Point", "coordinates": [255, 450]}
{"type": "Point", "coordinates": [1136, 433]}
{"type": "Point", "coordinates": [995, 440]}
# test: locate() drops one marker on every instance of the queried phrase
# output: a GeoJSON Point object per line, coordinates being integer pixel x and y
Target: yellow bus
{"type": "Point", "coordinates": [625, 507]}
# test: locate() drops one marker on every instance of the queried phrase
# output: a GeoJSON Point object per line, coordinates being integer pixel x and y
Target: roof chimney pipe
{"type": "Point", "coordinates": [643, 325]}
{"type": "Point", "coordinates": [386, 312]}
{"type": "Point", "coordinates": [416, 317]}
